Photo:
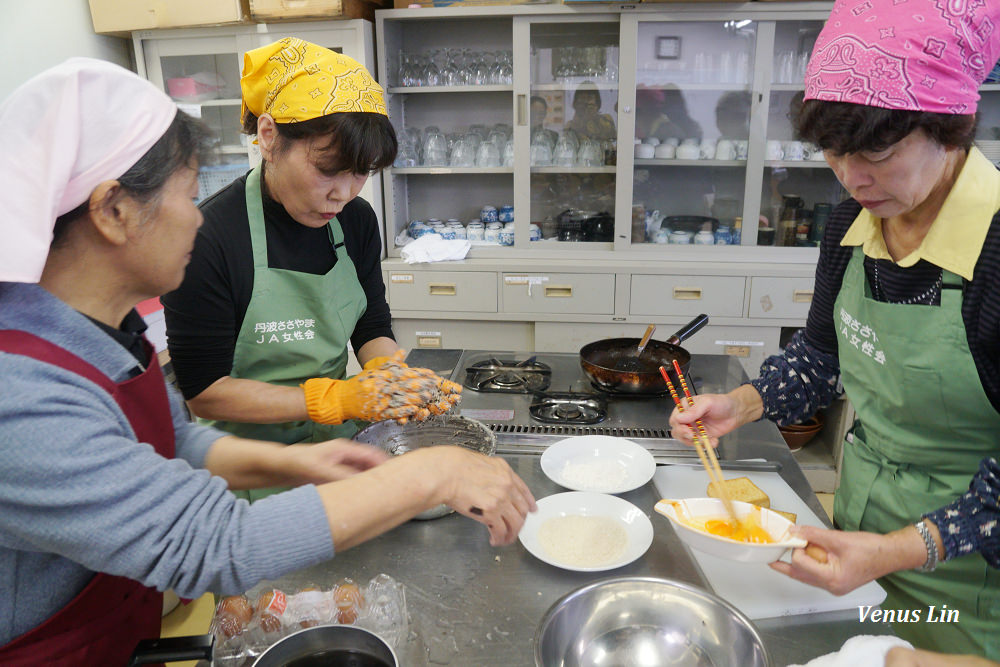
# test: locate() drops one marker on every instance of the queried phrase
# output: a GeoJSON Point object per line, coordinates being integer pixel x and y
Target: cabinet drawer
{"type": "Point", "coordinates": [780, 298]}
{"type": "Point", "coordinates": [474, 291]}
{"type": "Point", "coordinates": [718, 296]}
{"type": "Point", "coordinates": [583, 293]}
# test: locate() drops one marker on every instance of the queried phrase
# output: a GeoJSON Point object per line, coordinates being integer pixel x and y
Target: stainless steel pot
{"type": "Point", "coordinates": [318, 646]}
{"type": "Point", "coordinates": [326, 645]}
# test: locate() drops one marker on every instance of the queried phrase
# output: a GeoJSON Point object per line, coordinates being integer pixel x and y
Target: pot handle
{"type": "Point", "coordinates": [169, 649]}
{"type": "Point", "coordinates": [688, 330]}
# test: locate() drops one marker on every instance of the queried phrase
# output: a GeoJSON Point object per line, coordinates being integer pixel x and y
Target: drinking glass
{"type": "Point", "coordinates": [541, 154]}
{"type": "Point", "coordinates": [407, 71]}
{"type": "Point", "coordinates": [479, 70]}
{"type": "Point", "coordinates": [487, 155]}
{"type": "Point", "coordinates": [450, 68]}
{"type": "Point", "coordinates": [590, 154]}
{"type": "Point", "coordinates": [508, 154]}
{"type": "Point", "coordinates": [435, 149]}
{"type": "Point", "coordinates": [564, 155]}
{"type": "Point", "coordinates": [498, 138]}
{"type": "Point", "coordinates": [463, 154]}
{"type": "Point", "coordinates": [432, 73]}
{"type": "Point", "coordinates": [505, 68]}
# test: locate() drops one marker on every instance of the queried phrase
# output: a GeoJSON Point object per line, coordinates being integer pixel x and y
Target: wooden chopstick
{"type": "Point", "coordinates": [706, 453]}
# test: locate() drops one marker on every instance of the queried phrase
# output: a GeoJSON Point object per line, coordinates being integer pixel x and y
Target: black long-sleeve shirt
{"type": "Point", "coordinates": [205, 313]}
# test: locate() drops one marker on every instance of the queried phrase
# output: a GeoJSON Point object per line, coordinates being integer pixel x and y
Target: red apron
{"type": "Point", "coordinates": [103, 623]}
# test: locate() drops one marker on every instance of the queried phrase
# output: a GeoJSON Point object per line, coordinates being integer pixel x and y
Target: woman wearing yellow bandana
{"type": "Point", "coordinates": [285, 271]}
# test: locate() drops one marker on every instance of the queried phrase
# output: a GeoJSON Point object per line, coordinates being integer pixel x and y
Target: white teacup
{"type": "Point", "coordinates": [690, 141]}
{"type": "Point", "coordinates": [688, 152]}
{"type": "Point", "coordinates": [673, 141]}
{"type": "Point", "coordinates": [665, 151]}
{"type": "Point", "coordinates": [652, 141]}
{"type": "Point", "coordinates": [707, 149]}
{"type": "Point", "coordinates": [645, 151]}
{"type": "Point", "coordinates": [742, 148]}
{"type": "Point", "coordinates": [815, 153]}
{"type": "Point", "coordinates": [793, 150]}
{"type": "Point", "coordinates": [774, 150]}
{"type": "Point", "coordinates": [725, 150]}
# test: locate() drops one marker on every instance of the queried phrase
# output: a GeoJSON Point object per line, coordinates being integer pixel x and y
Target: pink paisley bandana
{"type": "Point", "coordinates": [915, 55]}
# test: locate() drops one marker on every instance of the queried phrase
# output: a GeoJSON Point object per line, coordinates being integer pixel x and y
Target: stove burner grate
{"type": "Point", "coordinates": [568, 408]}
{"type": "Point", "coordinates": [508, 376]}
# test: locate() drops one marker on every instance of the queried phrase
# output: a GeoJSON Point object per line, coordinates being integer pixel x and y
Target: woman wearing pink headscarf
{"type": "Point", "coordinates": [906, 316]}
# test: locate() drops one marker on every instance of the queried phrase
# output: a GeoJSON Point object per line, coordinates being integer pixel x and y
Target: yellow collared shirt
{"type": "Point", "coordinates": [956, 237]}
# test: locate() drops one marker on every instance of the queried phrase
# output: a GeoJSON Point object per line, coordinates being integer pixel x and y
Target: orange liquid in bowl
{"type": "Point", "coordinates": [748, 530]}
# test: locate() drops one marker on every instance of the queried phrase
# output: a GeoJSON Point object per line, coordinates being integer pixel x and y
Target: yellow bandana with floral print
{"type": "Point", "coordinates": [294, 80]}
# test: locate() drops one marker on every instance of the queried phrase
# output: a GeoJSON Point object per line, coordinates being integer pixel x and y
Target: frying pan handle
{"type": "Point", "coordinates": [689, 329]}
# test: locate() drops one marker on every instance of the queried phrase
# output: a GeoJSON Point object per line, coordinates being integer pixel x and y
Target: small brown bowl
{"type": "Point", "coordinates": [797, 435]}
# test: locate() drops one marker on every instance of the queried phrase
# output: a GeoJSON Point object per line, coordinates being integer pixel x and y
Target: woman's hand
{"type": "Point", "coordinates": [484, 488]}
{"type": "Point", "coordinates": [720, 413]}
{"type": "Point", "coordinates": [852, 558]}
{"type": "Point", "coordinates": [908, 657]}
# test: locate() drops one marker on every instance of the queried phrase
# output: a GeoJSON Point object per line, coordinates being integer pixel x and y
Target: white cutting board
{"type": "Point", "coordinates": [754, 588]}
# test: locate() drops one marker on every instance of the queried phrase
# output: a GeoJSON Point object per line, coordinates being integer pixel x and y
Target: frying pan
{"type": "Point", "coordinates": [599, 359]}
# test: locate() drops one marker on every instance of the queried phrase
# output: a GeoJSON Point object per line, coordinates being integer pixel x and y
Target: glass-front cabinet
{"type": "Point", "coordinates": [646, 132]}
{"type": "Point", "coordinates": [572, 129]}
{"type": "Point", "coordinates": [693, 83]}
{"type": "Point", "coordinates": [542, 130]}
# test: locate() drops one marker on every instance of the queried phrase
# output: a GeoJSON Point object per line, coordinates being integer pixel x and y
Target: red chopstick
{"type": "Point", "coordinates": [701, 442]}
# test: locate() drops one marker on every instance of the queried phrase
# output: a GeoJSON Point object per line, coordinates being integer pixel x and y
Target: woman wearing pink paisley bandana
{"type": "Point", "coordinates": [906, 317]}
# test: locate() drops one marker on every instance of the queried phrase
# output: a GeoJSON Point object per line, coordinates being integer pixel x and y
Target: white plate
{"type": "Point", "coordinates": [628, 465]}
{"type": "Point", "coordinates": [638, 527]}
{"type": "Point", "coordinates": [777, 527]}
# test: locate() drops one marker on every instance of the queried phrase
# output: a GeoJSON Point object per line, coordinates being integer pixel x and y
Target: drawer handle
{"type": "Point", "coordinates": [559, 291]}
{"type": "Point", "coordinates": [802, 296]}
{"type": "Point", "coordinates": [443, 289]}
{"type": "Point", "coordinates": [687, 293]}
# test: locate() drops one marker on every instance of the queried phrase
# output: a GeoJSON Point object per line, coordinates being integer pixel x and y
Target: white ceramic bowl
{"type": "Point", "coordinates": [625, 464]}
{"type": "Point", "coordinates": [638, 527]}
{"type": "Point", "coordinates": [777, 526]}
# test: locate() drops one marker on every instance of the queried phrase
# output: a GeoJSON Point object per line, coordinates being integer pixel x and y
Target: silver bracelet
{"type": "Point", "coordinates": [932, 551]}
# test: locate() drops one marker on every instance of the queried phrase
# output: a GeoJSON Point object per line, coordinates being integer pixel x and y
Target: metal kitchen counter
{"type": "Point", "coordinates": [472, 605]}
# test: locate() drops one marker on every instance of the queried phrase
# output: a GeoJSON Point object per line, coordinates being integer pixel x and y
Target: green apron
{"type": "Point", "coordinates": [923, 424]}
{"type": "Point", "coordinates": [297, 326]}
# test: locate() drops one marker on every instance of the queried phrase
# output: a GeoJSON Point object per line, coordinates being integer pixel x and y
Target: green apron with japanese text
{"type": "Point", "coordinates": [297, 326]}
{"type": "Point", "coordinates": [923, 424]}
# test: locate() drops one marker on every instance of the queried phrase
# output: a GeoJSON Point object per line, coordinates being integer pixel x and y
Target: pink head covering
{"type": "Point", "coordinates": [913, 55]}
{"type": "Point", "coordinates": [63, 132]}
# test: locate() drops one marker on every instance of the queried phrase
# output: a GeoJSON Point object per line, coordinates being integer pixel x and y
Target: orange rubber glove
{"type": "Point", "coordinates": [390, 390]}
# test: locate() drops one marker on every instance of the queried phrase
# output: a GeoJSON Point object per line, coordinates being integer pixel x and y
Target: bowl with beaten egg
{"type": "Point", "coordinates": [759, 535]}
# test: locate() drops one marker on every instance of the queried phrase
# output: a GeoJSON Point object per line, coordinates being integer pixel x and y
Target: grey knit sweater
{"type": "Point", "coordinates": [79, 494]}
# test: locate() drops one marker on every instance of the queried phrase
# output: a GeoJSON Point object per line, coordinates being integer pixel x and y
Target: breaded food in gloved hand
{"type": "Point", "coordinates": [390, 390]}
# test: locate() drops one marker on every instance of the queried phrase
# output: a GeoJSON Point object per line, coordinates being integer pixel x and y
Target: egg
{"type": "Point", "coordinates": [270, 606]}
{"type": "Point", "coordinates": [349, 601]}
{"type": "Point", "coordinates": [233, 614]}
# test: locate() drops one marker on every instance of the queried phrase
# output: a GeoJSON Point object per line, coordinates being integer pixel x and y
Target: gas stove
{"type": "Point", "coordinates": [520, 415]}
{"type": "Point", "coordinates": [533, 399]}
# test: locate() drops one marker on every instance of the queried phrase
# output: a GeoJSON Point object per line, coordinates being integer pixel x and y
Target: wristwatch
{"type": "Point", "coordinates": [932, 551]}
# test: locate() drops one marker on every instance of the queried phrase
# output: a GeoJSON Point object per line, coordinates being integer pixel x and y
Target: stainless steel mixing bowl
{"type": "Point", "coordinates": [442, 430]}
{"type": "Point", "coordinates": [646, 621]}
